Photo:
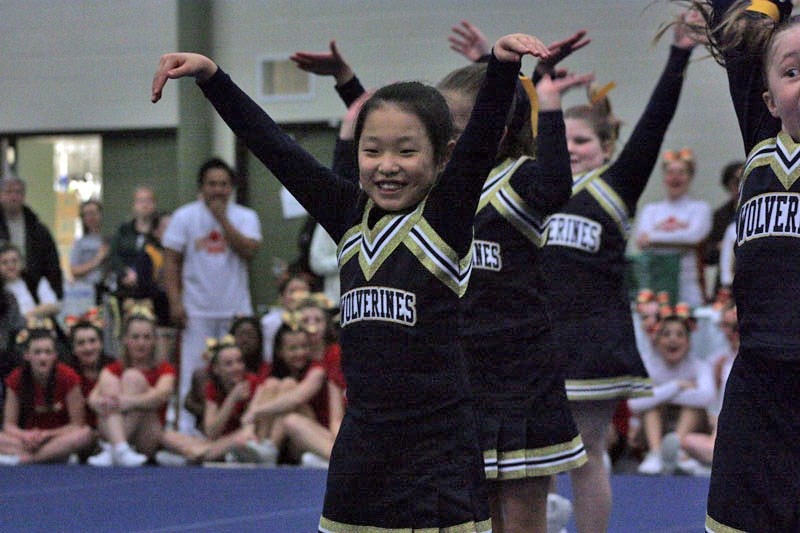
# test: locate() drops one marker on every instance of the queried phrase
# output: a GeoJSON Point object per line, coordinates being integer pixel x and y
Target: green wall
{"type": "Point", "coordinates": [133, 159]}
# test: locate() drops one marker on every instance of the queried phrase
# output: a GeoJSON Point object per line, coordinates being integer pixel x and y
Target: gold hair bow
{"type": "Point", "coordinates": [684, 154]}
{"type": "Point", "coordinates": [597, 94]}
{"type": "Point", "coordinates": [138, 308]}
{"type": "Point", "coordinates": [34, 323]}
{"type": "Point", "coordinates": [304, 298]}
{"type": "Point", "coordinates": [214, 346]}
{"type": "Point", "coordinates": [92, 316]}
{"type": "Point", "coordinates": [294, 321]}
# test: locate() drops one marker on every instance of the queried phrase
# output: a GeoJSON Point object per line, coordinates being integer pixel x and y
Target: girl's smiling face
{"type": "Point", "coordinates": [87, 346]}
{"type": "Point", "coordinates": [396, 159]}
{"type": "Point", "coordinates": [140, 341]}
{"type": "Point", "coordinates": [586, 150]}
{"type": "Point", "coordinates": [229, 366]}
{"type": "Point", "coordinates": [41, 355]}
{"type": "Point", "coordinates": [677, 179]}
{"type": "Point", "coordinates": [315, 323]}
{"type": "Point", "coordinates": [295, 350]}
{"type": "Point", "coordinates": [10, 265]}
{"type": "Point", "coordinates": [783, 80]}
{"type": "Point", "coordinates": [672, 342]}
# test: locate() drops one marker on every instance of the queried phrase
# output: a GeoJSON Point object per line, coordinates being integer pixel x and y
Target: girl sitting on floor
{"type": "Point", "coordinates": [678, 380]}
{"type": "Point", "coordinates": [131, 396]}
{"type": "Point", "coordinates": [229, 391]}
{"type": "Point", "coordinates": [44, 417]}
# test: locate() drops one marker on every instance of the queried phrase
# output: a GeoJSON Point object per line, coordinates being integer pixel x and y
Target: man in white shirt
{"type": "Point", "coordinates": [207, 247]}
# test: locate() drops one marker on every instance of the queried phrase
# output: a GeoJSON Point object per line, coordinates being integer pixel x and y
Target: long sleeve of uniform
{"type": "Point", "coordinates": [550, 186]}
{"type": "Point", "coordinates": [306, 178]}
{"type": "Point", "coordinates": [746, 85]}
{"type": "Point", "coordinates": [350, 91]}
{"type": "Point", "coordinates": [630, 172]}
{"type": "Point", "coordinates": [345, 162]}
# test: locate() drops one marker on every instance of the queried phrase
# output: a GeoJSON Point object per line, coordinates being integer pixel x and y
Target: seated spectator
{"type": "Point", "coordinates": [302, 380]}
{"type": "Point", "coordinates": [246, 330]}
{"type": "Point", "coordinates": [34, 302]}
{"type": "Point", "coordinates": [678, 380]}
{"type": "Point", "coordinates": [229, 391]}
{"type": "Point", "coordinates": [316, 439]}
{"type": "Point", "coordinates": [288, 287]}
{"type": "Point", "coordinates": [131, 396]}
{"type": "Point", "coordinates": [86, 356]}
{"type": "Point", "coordinates": [696, 449]}
{"type": "Point", "coordinates": [44, 411]}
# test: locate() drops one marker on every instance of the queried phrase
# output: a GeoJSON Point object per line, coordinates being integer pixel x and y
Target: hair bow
{"type": "Point", "coordinates": [138, 308]}
{"type": "Point", "coordinates": [35, 323]}
{"type": "Point", "coordinates": [91, 316]}
{"type": "Point", "coordinates": [214, 346]}
{"type": "Point", "coordinates": [684, 155]}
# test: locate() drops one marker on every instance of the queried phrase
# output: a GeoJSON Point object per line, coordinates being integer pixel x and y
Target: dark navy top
{"type": "Point", "coordinates": [402, 273]}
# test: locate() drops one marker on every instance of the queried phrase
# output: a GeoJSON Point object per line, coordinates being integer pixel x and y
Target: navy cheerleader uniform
{"type": "Point", "coordinates": [516, 370]}
{"type": "Point", "coordinates": [584, 259]}
{"type": "Point", "coordinates": [407, 454]}
{"type": "Point", "coordinates": [756, 468]}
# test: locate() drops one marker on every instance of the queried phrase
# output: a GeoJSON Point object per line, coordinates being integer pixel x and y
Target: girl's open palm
{"type": "Point", "coordinates": [512, 47]}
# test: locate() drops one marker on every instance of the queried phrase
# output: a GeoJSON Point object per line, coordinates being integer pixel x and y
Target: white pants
{"type": "Point", "coordinates": [193, 344]}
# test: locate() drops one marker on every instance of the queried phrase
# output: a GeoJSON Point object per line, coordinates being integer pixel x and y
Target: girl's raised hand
{"type": "Point", "coordinates": [511, 48]}
{"type": "Point", "coordinates": [469, 41]}
{"type": "Point", "coordinates": [179, 65]}
{"type": "Point", "coordinates": [689, 30]}
{"type": "Point", "coordinates": [562, 49]}
{"type": "Point", "coordinates": [551, 87]}
{"type": "Point", "coordinates": [324, 64]}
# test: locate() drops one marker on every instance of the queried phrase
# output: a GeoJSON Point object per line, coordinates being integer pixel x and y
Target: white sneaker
{"type": "Point", "coordinates": [104, 458]}
{"type": "Point", "coordinates": [692, 467]}
{"type": "Point", "coordinates": [670, 452]}
{"type": "Point", "coordinates": [168, 458]}
{"type": "Point", "coordinates": [312, 460]}
{"type": "Point", "coordinates": [266, 451]}
{"type": "Point", "coordinates": [124, 455]}
{"type": "Point", "coordinates": [652, 464]}
{"type": "Point", "coordinates": [243, 454]}
{"type": "Point", "coordinates": [559, 512]}
{"type": "Point", "coordinates": [9, 460]}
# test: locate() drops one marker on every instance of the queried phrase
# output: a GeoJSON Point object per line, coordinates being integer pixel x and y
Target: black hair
{"type": "Point", "coordinates": [732, 171]}
{"type": "Point", "coordinates": [279, 367]}
{"type": "Point", "coordinates": [26, 397]}
{"type": "Point", "coordinates": [252, 361]}
{"type": "Point", "coordinates": [91, 201]}
{"type": "Point", "coordinates": [212, 362]}
{"type": "Point", "coordinates": [421, 100]}
{"type": "Point", "coordinates": [211, 164]}
{"type": "Point", "coordinates": [72, 360]}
